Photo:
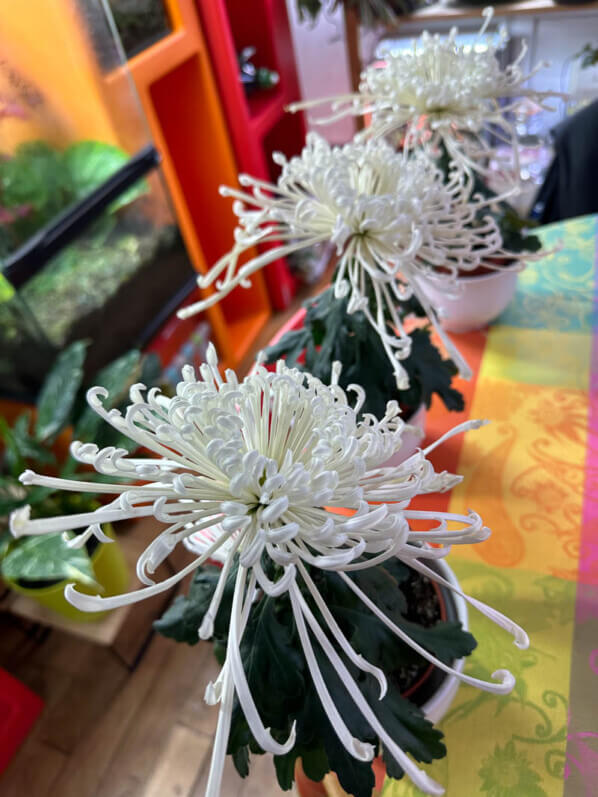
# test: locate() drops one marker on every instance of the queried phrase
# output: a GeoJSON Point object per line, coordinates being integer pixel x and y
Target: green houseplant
{"type": "Point", "coordinates": [40, 566]}
{"type": "Point", "coordinates": [328, 333]}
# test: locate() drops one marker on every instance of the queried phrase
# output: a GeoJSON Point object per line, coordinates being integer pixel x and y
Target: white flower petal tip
{"type": "Point", "coordinates": [85, 603]}
{"type": "Point", "coordinates": [250, 474]}
{"type": "Point", "coordinates": [213, 693]}
{"type": "Point", "coordinates": [521, 638]}
{"type": "Point", "coordinates": [19, 519]}
{"type": "Point", "coordinates": [506, 680]}
{"type": "Point", "coordinates": [427, 784]}
{"type": "Point", "coordinates": [206, 629]}
{"type": "Point", "coordinates": [27, 477]}
{"type": "Point", "coordinates": [478, 423]}
{"type": "Point", "coordinates": [362, 751]}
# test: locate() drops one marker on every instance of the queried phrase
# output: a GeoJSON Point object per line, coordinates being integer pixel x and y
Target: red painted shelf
{"type": "Point", "coordinates": [258, 123]}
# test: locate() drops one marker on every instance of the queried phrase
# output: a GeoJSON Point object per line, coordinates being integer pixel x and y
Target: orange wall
{"type": "Point", "coordinates": [47, 66]}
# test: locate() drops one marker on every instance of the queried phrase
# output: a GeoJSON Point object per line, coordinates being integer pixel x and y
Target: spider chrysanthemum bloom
{"type": "Point", "coordinates": [267, 464]}
{"type": "Point", "coordinates": [441, 91]}
{"type": "Point", "coordinates": [393, 220]}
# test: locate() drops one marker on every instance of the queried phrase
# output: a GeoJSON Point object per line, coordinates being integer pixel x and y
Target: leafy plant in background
{"type": "Point", "coordinates": [40, 181]}
{"type": "Point", "coordinates": [330, 333]}
{"type": "Point", "coordinates": [588, 55]}
{"type": "Point", "coordinates": [514, 229]}
{"type": "Point", "coordinates": [370, 12]}
{"type": "Point", "coordinates": [31, 443]}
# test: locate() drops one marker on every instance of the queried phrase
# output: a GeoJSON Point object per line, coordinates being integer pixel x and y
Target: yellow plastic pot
{"type": "Point", "coordinates": [111, 571]}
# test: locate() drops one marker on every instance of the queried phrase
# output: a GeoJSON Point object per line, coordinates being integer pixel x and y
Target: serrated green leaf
{"type": "Point", "coordinates": [58, 392]}
{"type": "Point", "coordinates": [447, 641]}
{"type": "Point", "coordinates": [273, 664]}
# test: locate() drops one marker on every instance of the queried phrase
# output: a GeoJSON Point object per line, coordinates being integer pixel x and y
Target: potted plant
{"type": "Point", "coordinates": [446, 99]}
{"type": "Point", "coordinates": [312, 610]}
{"type": "Point", "coordinates": [324, 332]}
{"type": "Point", "coordinates": [395, 221]}
{"type": "Point", "coordinates": [444, 94]}
{"type": "Point", "coordinates": [40, 567]}
{"type": "Point", "coordinates": [481, 295]}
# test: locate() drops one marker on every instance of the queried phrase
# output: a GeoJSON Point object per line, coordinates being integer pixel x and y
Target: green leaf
{"type": "Point", "coordinates": [315, 763]}
{"type": "Point", "coordinates": [116, 377]}
{"type": "Point", "coordinates": [447, 641]}
{"type": "Point", "coordinates": [58, 392]}
{"type": "Point", "coordinates": [241, 761]}
{"type": "Point", "coordinates": [91, 163]}
{"type": "Point", "coordinates": [273, 664]}
{"type": "Point", "coordinates": [48, 558]}
{"type": "Point", "coordinates": [21, 447]}
{"type": "Point", "coordinates": [285, 768]}
{"type": "Point", "coordinates": [183, 617]}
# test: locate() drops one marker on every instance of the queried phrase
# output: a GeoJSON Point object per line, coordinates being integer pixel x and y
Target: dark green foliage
{"type": "Point", "coordinates": [513, 228]}
{"type": "Point", "coordinates": [59, 391]}
{"type": "Point", "coordinates": [282, 686]}
{"type": "Point", "coordinates": [329, 333]}
{"type": "Point", "coordinates": [27, 444]}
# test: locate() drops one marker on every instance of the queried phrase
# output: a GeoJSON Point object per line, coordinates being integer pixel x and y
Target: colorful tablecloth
{"type": "Point", "coordinates": [533, 476]}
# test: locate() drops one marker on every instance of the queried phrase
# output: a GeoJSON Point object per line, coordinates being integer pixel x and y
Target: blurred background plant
{"type": "Point", "coordinates": [39, 439]}
{"type": "Point", "coordinates": [370, 12]}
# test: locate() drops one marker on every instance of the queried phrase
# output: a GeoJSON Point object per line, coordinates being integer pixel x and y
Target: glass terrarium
{"type": "Point", "coordinates": [89, 245]}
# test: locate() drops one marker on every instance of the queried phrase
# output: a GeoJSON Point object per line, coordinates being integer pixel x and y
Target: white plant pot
{"type": "Point", "coordinates": [475, 302]}
{"type": "Point", "coordinates": [437, 706]}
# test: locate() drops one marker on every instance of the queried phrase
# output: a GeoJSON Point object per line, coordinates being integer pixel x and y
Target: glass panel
{"type": "Point", "coordinates": [140, 23]}
{"type": "Point", "coordinates": [70, 118]}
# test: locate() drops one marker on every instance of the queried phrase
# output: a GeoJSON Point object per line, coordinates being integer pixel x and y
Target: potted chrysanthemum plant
{"type": "Point", "coordinates": [450, 100]}
{"type": "Point", "coordinates": [324, 332]}
{"type": "Point", "coordinates": [311, 610]}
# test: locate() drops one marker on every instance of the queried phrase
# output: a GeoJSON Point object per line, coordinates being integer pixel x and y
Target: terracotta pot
{"type": "Point", "coordinates": [435, 707]}
{"type": "Point", "coordinates": [476, 301]}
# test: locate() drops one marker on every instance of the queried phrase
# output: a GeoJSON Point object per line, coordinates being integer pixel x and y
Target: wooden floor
{"type": "Point", "coordinates": [109, 731]}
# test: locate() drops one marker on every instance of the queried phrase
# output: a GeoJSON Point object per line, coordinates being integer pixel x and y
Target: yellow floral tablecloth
{"type": "Point", "coordinates": [533, 476]}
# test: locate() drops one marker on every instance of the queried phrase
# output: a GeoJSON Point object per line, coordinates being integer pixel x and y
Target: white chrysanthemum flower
{"type": "Point", "coordinates": [265, 463]}
{"type": "Point", "coordinates": [455, 93]}
{"type": "Point", "coordinates": [393, 220]}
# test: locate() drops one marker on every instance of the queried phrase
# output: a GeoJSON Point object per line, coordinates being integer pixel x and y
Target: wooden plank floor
{"type": "Point", "coordinates": [109, 732]}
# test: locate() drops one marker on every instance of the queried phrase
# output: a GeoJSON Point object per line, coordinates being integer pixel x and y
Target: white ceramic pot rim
{"type": "Point", "coordinates": [513, 268]}
{"type": "Point", "coordinates": [437, 706]}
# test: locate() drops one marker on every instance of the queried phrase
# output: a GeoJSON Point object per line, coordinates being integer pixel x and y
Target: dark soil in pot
{"type": "Point", "coordinates": [427, 604]}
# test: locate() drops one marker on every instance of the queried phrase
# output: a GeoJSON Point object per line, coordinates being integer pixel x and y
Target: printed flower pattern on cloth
{"type": "Point", "coordinates": [264, 464]}
{"type": "Point", "coordinates": [507, 773]}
